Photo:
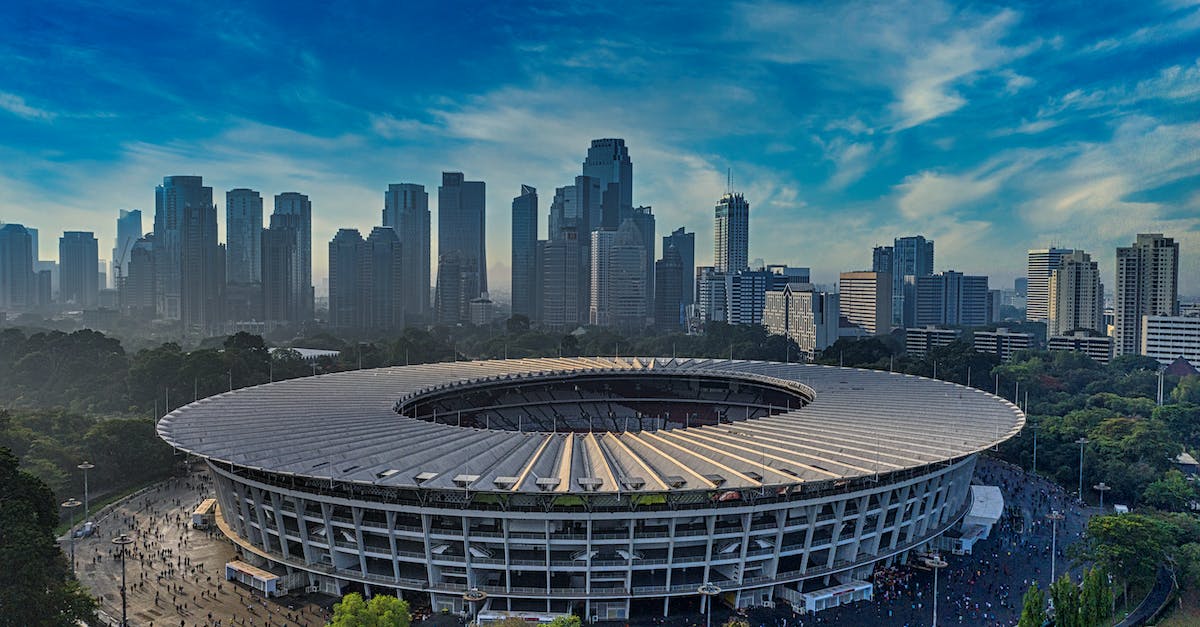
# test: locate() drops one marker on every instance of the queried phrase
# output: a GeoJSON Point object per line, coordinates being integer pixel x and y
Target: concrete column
{"type": "Point", "coordinates": [391, 528]}
{"type": "Point", "coordinates": [276, 506]}
{"type": "Point", "coordinates": [356, 514]}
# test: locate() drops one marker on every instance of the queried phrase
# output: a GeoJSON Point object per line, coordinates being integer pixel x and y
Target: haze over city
{"type": "Point", "coordinates": [988, 129]}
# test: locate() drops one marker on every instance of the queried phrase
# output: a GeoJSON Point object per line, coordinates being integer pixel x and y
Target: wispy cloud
{"type": "Point", "coordinates": [17, 106]}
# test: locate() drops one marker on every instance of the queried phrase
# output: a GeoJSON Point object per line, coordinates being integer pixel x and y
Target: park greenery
{"type": "Point", "coordinates": [381, 611]}
{"type": "Point", "coordinates": [35, 587]}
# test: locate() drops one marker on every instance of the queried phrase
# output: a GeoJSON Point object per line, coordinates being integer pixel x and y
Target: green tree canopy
{"type": "Point", "coordinates": [381, 611]}
{"type": "Point", "coordinates": [1033, 610]}
{"type": "Point", "coordinates": [1172, 492]}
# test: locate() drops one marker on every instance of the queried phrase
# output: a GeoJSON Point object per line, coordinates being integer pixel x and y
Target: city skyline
{"type": "Point", "coordinates": [1086, 123]}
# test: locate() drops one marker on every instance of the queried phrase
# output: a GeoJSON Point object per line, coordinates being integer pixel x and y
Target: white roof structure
{"type": "Point", "coordinates": [343, 427]}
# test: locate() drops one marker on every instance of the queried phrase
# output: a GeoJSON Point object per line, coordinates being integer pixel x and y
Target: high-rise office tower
{"type": "Point", "coordinates": [524, 253]}
{"type": "Point", "coordinates": [201, 270]}
{"type": "Point", "coordinates": [457, 286]}
{"type": "Point", "coordinates": [643, 219]}
{"type": "Point", "coordinates": [609, 165]}
{"type": "Point", "coordinates": [1075, 296]}
{"type": "Point", "coordinates": [462, 226]}
{"type": "Point", "coordinates": [383, 280]}
{"type": "Point", "coordinates": [911, 257]}
{"type": "Point", "coordinates": [563, 283]}
{"type": "Point", "coordinates": [576, 207]}
{"type": "Point", "coordinates": [952, 298]}
{"type": "Point", "coordinates": [1147, 285]}
{"type": "Point", "coordinates": [139, 292]}
{"type": "Point", "coordinates": [866, 300]}
{"type": "Point", "coordinates": [1041, 262]}
{"type": "Point", "coordinates": [883, 259]}
{"type": "Point", "coordinates": [129, 230]}
{"type": "Point", "coordinates": [79, 263]}
{"type": "Point", "coordinates": [346, 252]}
{"type": "Point", "coordinates": [243, 236]}
{"type": "Point", "coordinates": [731, 246]}
{"type": "Point", "coordinates": [176, 194]}
{"type": "Point", "coordinates": [293, 203]}
{"type": "Point", "coordinates": [283, 287]}
{"type": "Point", "coordinates": [17, 287]}
{"type": "Point", "coordinates": [618, 269]}
{"type": "Point", "coordinates": [803, 315]}
{"type": "Point", "coordinates": [685, 246]}
{"type": "Point", "coordinates": [669, 288]}
{"type": "Point", "coordinates": [406, 209]}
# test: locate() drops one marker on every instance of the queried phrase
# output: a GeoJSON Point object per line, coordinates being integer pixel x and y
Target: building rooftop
{"type": "Point", "coordinates": [343, 427]}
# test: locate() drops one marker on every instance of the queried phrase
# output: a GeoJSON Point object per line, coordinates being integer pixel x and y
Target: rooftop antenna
{"type": "Point", "coordinates": [729, 180]}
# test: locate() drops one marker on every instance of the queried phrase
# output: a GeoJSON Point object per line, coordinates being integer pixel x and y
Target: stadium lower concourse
{"type": "Point", "coordinates": [608, 487]}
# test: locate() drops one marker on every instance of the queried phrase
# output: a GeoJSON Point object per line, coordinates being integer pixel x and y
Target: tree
{"type": "Point", "coordinates": [1188, 390]}
{"type": "Point", "coordinates": [1131, 546]}
{"type": "Point", "coordinates": [1182, 421]}
{"type": "Point", "coordinates": [1033, 612]}
{"type": "Point", "coordinates": [1171, 493]}
{"type": "Point", "coordinates": [1065, 595]}
{"type": "Point", "coordinates": [566, 621]}
{"type": "Point", "coordinates": [381, 611]}
{"type": "Point", "coordinates": [1095, 598]}
{"type": "Point", "coordinates": [35, 589]}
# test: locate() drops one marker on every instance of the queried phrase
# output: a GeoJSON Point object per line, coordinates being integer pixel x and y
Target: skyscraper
{"type": "Point", "coordinates": [79, 263]}
{"type": "Point", "coordinates": [524, 253]}
{"type": "Point", "coordinates": [866, 300]}
{"type": "Point", "coordinates": [911, 257]}
{"type": "Point", "coordinates": [883, 259]}
{"type": "Point", "coordinates": [129, 230]}
{"type": "Point", "coordinates": [283, 288]}
{"type": "Point", "coordinates": [731, 234]}
{"type": "Point", "coordinates": [669, 288]}
{"type": "Point", "coordinates": [406, 209]}
{"type": "Point", "coordinates": [1075, 296]}
{"type": "Point", "coordinates": [609, 165]}
{"type": "Point", "coordinates": [17, 288]}
{"type": "Point", "coordinates": [685, 246]}
{"type": "Point", "coordinates": [243, 236]}
{"type": "Point", "coordinates": [952, 298]}
{"type": "Point", "coordinates": [293, 203]}
{"type": "Point", "coordinates": [139, 292]}
{"type": "Point", "coordinates": [346, 251]}
{"type": "Point", "coordinates": [1041, 262]}
{"type": "Point", "coordinates": [643, 219]}
{"type": "Point", "coordinates": [457, 286]}
{"type": "Point", "coordinates": [564, 286]}
{"type": "Point", "coordinates": [462, 222]}
{"type": "Point", "coordinates": [382, 280]}
{"type": "Point", "coordinates": [576, 207]}
{"type": "Point", "coordinates": [201, 270]}
{"type": "Point", "coordinates": [176, 194]}
{"type": "Point", "coordinates": [1147, 285]}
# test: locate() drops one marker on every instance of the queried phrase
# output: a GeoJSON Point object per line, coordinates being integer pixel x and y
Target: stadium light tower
{"type": "Point", "coordinates": [85, 467]}
{"type": "Point", "coordinates": [708, 591]}
{"type": "Point", "coordinates": [123, 541]}
{"type": "Point", "coordinates": [70, 504]}
{"type": "Point", "coordinates": [935, 562]}
{"type": "Point", "coordinates": [1054, 517]}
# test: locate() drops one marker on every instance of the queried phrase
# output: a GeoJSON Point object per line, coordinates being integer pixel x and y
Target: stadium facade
{"type": "Point", "coordinates": [604, 486]}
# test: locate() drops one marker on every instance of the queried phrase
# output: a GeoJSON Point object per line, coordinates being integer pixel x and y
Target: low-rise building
{"type": "Point", "coordinates": [1166, 337]}
{"type": "Point", "coordinates": [1098, 347]}
{"type": "Point", "coordinates": [919, 341]}
{"type": "Point", "coordinates": [1002, 342]}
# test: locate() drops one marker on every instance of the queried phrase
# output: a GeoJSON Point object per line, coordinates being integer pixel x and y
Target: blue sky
{"type": "Point", "coordinates": [990, 128]}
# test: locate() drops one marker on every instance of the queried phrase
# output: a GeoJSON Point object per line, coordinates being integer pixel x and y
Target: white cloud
{"type": "Point", "coordinates": [17, 106]}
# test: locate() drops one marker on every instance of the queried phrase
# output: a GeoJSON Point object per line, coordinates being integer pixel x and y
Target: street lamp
{"type": "Point", "coordinates": [935, 562]}
{"type": "Point", "coordinates": [1101, 488]}
{"type": "Point", "coordinates": [1054, 517]}
{"type": "Point", "coordinates": [123, 541]}
{"type": "Point", "coordinates": [71, 504]}
{"type": "Point", "coordinates": [85, 466]}
{"type": "Point", "coordinates": [1082, 441]}
{"type": "Point", "coordinates": [708, 590]}
{"type": "Point", "coordinates": [473, 596]}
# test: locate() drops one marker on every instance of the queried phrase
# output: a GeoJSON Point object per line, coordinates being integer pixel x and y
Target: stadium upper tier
{"type": "Point", "coordinates": [697, 424]}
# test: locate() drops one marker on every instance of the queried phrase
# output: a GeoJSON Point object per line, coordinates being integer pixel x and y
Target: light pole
{"type": "Point", "coordinates": [71, 504]}
{"type": "Point", "coordinates": [708, 591]}
{"type": "Point", "coordinates": [123, 541]}
{"type": "Point", "coordinates": [1054, 517]}
{"type": "Point", "coordinates": [935, 562]}
{"type": "Point", "coordinates": [85, 466]}
{"type": "Point", "coordinates": [473, 596]}
{"type": "Point", "coordinates": [1035, 430]}
{"type": "Point", "coordinates": [1082, 441]}
{"type": "Point", "coordinates": [1101, 488]}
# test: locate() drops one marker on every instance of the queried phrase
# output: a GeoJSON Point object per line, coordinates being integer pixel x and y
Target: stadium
{"type": "Point", "coordinates": [607, 487]}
